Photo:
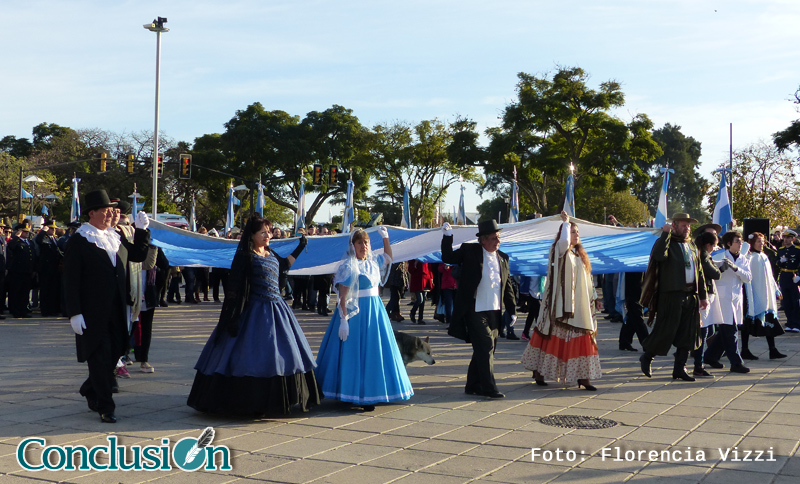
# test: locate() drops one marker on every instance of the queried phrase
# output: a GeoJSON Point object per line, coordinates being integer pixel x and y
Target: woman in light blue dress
{"type": "Point", "coordinates": [358, 360]}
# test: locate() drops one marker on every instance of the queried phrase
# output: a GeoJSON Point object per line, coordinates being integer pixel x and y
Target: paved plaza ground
{"type": "Point", "coordinates": [440, 436]}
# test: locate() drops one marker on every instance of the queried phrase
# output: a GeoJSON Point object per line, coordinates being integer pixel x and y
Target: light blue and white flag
{"type": "Point", "coordinates": [722, 209]}
{"type": "Point", "coordinates": [349, 215]}
{"type": "Point", "coordinates": [26, 194]}
{"type": "Point", "coordinates": [513, 213]}
{"type": "Point", "coordinates": [461, 218]}
{"type": "Point", "coordinates": [569, 198]}
{"type": "Point", "coordinates": [45, 211]}
{"type": "Point", "coordinates": [260, 202]}
{"type": "Point", "coordinates": [75, 206]}
{"type": "Point", "coordinates": [300, 214]}
{"type": "Point", "coordinates": [192, 218]}
{"type": "Point", "coordinates": [405, 221]}
{"type": "Point", "coordinates": [229, 220]}
{"type": "Point", "coordinates": [661, 212]}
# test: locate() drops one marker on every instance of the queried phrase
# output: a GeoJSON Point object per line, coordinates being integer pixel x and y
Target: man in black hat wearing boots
{"type": "Point", "coordinates": [95, 300]}
{"type": "Point", "coordinates": [676, 268]}
{"type": "Point", "coordinates": [484, 286]}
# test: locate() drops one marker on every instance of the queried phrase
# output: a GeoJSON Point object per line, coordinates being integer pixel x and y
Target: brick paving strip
{"type": "Point", "coordinates": [440, 436]}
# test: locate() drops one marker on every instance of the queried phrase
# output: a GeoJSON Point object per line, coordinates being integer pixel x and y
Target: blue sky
{"type": "Point", "coordinates": [698, 64]}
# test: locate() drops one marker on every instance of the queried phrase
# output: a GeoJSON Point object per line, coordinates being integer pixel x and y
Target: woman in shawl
{"type": "Point", "coordinates": [563, 345]}
{"type": "Point", "coordinates": [358, 360]}
{"type": "Point", "coordinates": [257, 361]}
{"type": "Point", "coordinates": [761, 301]}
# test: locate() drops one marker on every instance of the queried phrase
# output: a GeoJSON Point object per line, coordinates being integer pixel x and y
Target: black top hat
{"type": "Point", "coordinates": [74, 225]}
{"type": "Point", "coordinates": [699, 230]}
{"type": "Point", "coordinates": [488, 227]}
{"type": "Point", "coordinates": [123, 206]}
{"type": "Point", "coordinates": [97, 199]}
{"type": "Point", "coordinates": [25, 226]}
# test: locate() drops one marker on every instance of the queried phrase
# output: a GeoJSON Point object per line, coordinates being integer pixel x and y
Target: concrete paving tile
{"type": "Point", "coordinates": [422, 478]}
{"type": "Point", "coordinates": [776, 431]}
{"type": "Point", "coordinates": [362, 475]}
{"type": "Point", "coordinates": [599, 404]}
{"type": "Point", "coordinates": [409, 460]}
{"type": "Point", "coordinates": [12, 479]}
{"type": "Point", "coordinates": [475, 435]}
{"type": "Point", "coordinates": [791, 467]}
{"type": "Point", "coordinates": [743, 403]}
{"type": "Point", "coordinates": [592, 476]}
{"type": "Point", "coordinates": [459, 417]}
{"type": "Point", "coordinates": [256, 441]}
{"type": "Point", "coordinates": [739, 415]}
{"type": "Point", "coordinates": [335, 421]}
{"type": "Point", "coordinates": [634, 419]}
{"type": "Point", "coordinates": [666, 397]}
{"type": "Point", "coordinates": [655, 435]}
{"type": "Point", "coordinates": [198, 477]}
{"type": "Point", "coordinates": [616, 432]}
{"type": "Point", "coordinates": [732, 476]}
{"type": "Point", "coordinates": [417, 413]}
{"type": "Point", "coordinates": [247, 465]}
{"type": "Point", "coordinates": [674, 422]}
{"type": "Point", "coordinates": [500, 452]}
{"type": "Point", "coordinates": [463, 466]}
{"type": "Point", "coordinates": [376, 425]}
{"type": "Point", "coordinates": [640, 406]}
{"type": "Point", "coordinates": [355, 453]}
{"type": "Point", "coordinates": [777, 418]}
{"type": "Point", "coordinates": [672, 470]}
{"type": "Point", "coordinates": [618, 465]}
{"type": "Point", "coordinates": [755, 463]}
{"type": "Point", "coordinates": [778, 446]}
{"type": "Point", "coordinates": [521, 472]}
{"type": "Point", "coordinates": [423, 429]}
{"type": "Point", "coordinates": [726, 426]}
{"type": "Point", "coordinates": [343, 435]}
{"type": "Point", "coordinates": [399, 441]}
{"type": "Point", "coordinates": [296, 430]}
{"type": "Point", "coordinates": [14, 432]}
{"type": "Point", "coordinates": [504, 421]}
{"type": "Point", "coordinates": [580, 444]}
{"type": "Point", "coordinates": [443, 446]}
{"type": "Point", "coordinates": [534, 410]}
{"type": "Point", "coordinates": [698, 439]}
{"type": "Point", "coordinates": [299, 471]}
{"type": "Point", "coordinates": [301, 447]}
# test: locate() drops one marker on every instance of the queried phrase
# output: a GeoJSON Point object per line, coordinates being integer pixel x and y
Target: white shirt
{"type": "Point", "coordinates": [687, 254]}
{"type": "Point", "coordinates": [487, 296]}
{"type": "Point", "coordinates": [108, 240]}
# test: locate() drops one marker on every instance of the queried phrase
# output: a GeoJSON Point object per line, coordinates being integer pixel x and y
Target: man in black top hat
{"type": "Point", "coordinates": [49, 270]}
{"type": "Point", "coordinates": [95, 301]}
{"type": "Point", "coordinates": [483, 289]}
{"type": "Point", "coordinates": [20, 270]}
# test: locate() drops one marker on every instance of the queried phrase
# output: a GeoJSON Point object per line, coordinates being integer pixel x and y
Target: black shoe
{"type": "Point", "coordinates": [512, 336]}
{"type": "Point", "coordinates": [645, 361]}
{"type": "Point", "coordinates": [702, 373]}
{"type": "Point", "coordinates": [714, 364]}
{"type": "Point", "coordinates": [421, 321]}
{"type": "Point", "coordinates": [740, 369]}
{"type": "Point", "coordinates": [746, 355]}
{"type": "Point", "coordinates": [774, 354]}
{"type": "Point", "coordinates": [163, 304]}
{"type": "Point", "coordinates": [108, 418]}
{"type": "Point", "coordinates": [368, 408]}
{"type": "Point", "coordinates": [92, 404]}
{"type": "Point", "coordinates": [588, 386]}
{"type": "Point", "coordinates": [216, 299]}
{"type": "Point", "coordinates": [493, 395]}
{"type": "Point", "coordinates": [681, 374]}
{"type": "Point", "coordinates": [470, 392]}
{"type": "Point", "coordinates": [627, 348]}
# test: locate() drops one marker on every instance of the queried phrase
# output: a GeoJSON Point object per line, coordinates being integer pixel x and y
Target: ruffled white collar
{"type": "Point", "coordinates": [108, 240]}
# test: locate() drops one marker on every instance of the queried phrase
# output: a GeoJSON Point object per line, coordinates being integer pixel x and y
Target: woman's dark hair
{"type": "Point", "coordinates": [729, 237]}
{"type": "Point", "coordinates": [705, 238]}
{"type": "Point", "coordinates": [752, 240]}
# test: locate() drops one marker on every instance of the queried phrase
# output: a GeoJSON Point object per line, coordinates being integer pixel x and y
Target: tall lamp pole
{"type": "Point", "coordinates": [156, 26]}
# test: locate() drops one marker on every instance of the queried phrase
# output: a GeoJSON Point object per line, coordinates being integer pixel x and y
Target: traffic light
{"type": "Point", "coordinates": [317, 175]}
{"type": "Point", "coordinates": [160, 165]}
{"type": "Point", "coordinates": [185, 172]}
{"type": "Point", "coordinates": [130, 164]}
{"type": "Point", "coordinates": [101, 166]}
{"type": "Point", "coordinates": [333, 175]}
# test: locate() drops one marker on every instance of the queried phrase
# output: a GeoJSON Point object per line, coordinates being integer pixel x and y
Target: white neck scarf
{"type": "Point", "coordinates": [108, 240]}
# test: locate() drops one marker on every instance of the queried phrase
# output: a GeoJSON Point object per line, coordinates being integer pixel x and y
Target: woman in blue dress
{"type": "Point", "coordinates": [358, 360]}
{"type": "Point", "coordinates": [257, 361]}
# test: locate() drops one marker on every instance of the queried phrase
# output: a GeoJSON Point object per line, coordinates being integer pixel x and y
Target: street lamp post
{"type": "Point", "coordinates": [33, 180]}
{"type": "Point", "coordinates": [156, 26]}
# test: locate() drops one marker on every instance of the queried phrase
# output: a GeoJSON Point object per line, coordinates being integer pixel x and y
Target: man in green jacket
{"type": "Point", "coordinates": [681, 294]}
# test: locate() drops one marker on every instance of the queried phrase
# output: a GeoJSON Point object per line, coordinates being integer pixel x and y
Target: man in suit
{"type": "Point", "coordinates": [3, 251]}
{"type": "Point", "coordinates": [49, 270]}
{"type": "Point", "coordinates": [20, 270]}
{"type": "Point", "coordinates": [483, 287]}
{"type": "Point", "coordinates": [94, 289]}
{"type": "Point", "coordinates": [681, 294]}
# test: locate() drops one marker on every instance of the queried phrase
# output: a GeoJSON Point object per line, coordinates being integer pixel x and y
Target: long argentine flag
{"type": "Point", "coordinates": [260, 202]}
{"type": "Point", "coordinates": [513, 214]}
{"type": "Point", "coordinates": [75, 207]}
{"type": "Point", "coordinates": [349, 212]}
{"type": "Point", "coordinates": [405, 222]}
{"type": "Point", "coordinates": [661, 212]}
{"type": "Point", "coordinates": [300, 215]}
{"type": "Point", "coordinates": [569, 198]}
{"type": "Point", "coordinates": [722, 209]}
{"type": "Point", "coordinates": [461, 218]}
{"type": "Point", "coordinates": [192, 217]}
{"type": "Point", "coordinates": [229, 221]}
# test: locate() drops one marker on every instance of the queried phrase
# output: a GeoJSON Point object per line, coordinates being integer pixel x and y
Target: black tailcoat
{"type": "Point", "coordinates": [470, 256]}
{"type": "Point", "coordinates": [95, 288]}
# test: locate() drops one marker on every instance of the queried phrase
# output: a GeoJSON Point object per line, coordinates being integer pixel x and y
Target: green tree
{"type": "Point", "coordinates": [764, 185]}
{"type": "Point", "coordinates": [16, 147]}
{"type": "Point", "coordinates": [686, 186]}
{"type": "Point", "coordinates": [557, 121]}
{"type": "Point", "coordinates": [595, 202]}
{"type": "Point", "coordinates": [416, 158]}
{"type": "Point", "coordinates": [789, 137]}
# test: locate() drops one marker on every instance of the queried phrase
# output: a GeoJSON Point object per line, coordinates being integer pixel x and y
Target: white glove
{"type": "Point", "coordinates": [142, 221]}
{"type": "Point", "coordinates": [513, 320]}
{"type": "Point", "coordinates": [344, 329]}
{"type": "Point", "coordinates": [447, 229]}
{"type": "Point", "coordinates": [796, 279]}
{"type": "Point", "coordinates": [783, 258]}
{"type": "Point", "coordinates": [78, 324]}
{"type": "Point", "coordinates": [382, 230]}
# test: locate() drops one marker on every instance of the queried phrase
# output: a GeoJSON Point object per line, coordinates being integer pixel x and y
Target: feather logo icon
{"type": "Point", "coordinates": [204, 440]}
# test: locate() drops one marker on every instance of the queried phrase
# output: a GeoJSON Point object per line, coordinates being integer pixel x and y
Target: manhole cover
{"type": "Point", "coordinates": [578, 422]}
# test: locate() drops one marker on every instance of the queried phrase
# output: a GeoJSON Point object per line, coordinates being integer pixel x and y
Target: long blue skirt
{"type": "Point", "coordinates": [367, 367]}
